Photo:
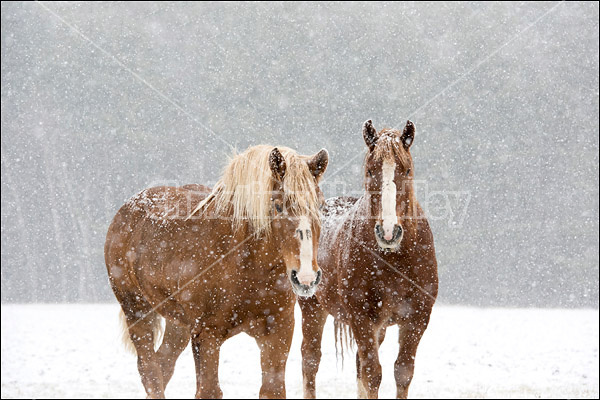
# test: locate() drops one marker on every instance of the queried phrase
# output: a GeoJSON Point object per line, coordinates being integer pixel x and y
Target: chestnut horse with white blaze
{"type": "Point", "coordinates": [217, 263]}
{"type": "Point", "coordinates": [379, 267]}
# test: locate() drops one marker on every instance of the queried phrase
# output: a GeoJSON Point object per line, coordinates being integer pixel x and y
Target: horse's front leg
{"type": "Point", "coordinates": [409, 337]}
{"type": "Point", "coordinates": [274, 343]}
{"type": "Point", "coordinates": [367, 337]}
{"type": "Point", "coordinates": [313, 322]}
{"type": "Point", "coordinates": [206, 348]}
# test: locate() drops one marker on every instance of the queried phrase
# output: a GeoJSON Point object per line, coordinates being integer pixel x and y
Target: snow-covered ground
{"type": "Point", "coordinates": [74, 351]}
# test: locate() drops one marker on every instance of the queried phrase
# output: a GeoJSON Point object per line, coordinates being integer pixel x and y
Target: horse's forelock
{"type": "Point", "coordinates": [389, 147]}
{"type": "Point", "coordinates": [300, 187]}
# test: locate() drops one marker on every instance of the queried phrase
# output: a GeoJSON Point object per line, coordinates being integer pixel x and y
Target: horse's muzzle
{"type": "Point", "coordinates": [393, 242]}
{"type": "Point", "coordinates": [301, 289]}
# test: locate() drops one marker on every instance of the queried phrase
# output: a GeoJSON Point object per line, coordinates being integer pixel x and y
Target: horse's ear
{"type": "Point", "coordinates": [277, 164]}
{"type": "Point", "coordinates": [318, 163]}
{"type": "Point", "coordinates": [408, 135]}
{"type": "Point", "coordinates": [369, 134]}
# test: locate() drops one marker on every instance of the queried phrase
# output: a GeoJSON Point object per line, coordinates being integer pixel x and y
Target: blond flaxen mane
{"type": "Point", "coordinates": [245, 189]}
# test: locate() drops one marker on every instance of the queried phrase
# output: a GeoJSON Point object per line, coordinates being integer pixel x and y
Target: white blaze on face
{"type": "Point", "coordinates": [306, 275]}
{"type": "Point", "coordinates": [388, 199]}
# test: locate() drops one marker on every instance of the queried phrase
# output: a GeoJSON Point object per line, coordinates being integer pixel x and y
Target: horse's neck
{"type": "Point", "coordinates": [261, 252]}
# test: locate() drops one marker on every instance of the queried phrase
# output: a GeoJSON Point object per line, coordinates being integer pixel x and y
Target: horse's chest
{"type": "Point", "coordinates": [376, 295]}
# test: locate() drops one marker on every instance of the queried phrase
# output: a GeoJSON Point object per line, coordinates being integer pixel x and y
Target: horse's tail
{"type": "Point", "coordinates": [343, 336]}
{"type": "Point", "coordinates": [157, 331]}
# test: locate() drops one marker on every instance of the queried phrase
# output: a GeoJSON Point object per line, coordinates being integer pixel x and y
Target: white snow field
{"type": "Point", "coordinates": [75, 351]}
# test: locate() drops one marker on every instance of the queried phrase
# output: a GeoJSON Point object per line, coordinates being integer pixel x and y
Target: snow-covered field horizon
{"type": "Point", "coordinates": [74, 350]}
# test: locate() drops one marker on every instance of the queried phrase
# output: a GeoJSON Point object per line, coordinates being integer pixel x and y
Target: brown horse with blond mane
{"type": "Point", "coordinates": [217, 263]}
{"type": "Point", "coordinates": [379, 267]}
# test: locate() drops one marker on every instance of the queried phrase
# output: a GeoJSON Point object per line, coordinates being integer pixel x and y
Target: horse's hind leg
{"type": "Point", "coordinates": [142, 336]}
{"type": "Point", "coordinates": [174, 342]}
{"type": "Point", "coordinates": [409, 337]}
{"type": "Point", "coordinates": [313, 322]}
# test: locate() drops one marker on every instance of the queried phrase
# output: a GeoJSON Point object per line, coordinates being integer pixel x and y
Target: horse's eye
{"type": "Point", "coordinates": [278, 207]}
{"type": "Point", "coordinates": [408, 172]}
{"type": "Point", "coordinates": [369, 172]}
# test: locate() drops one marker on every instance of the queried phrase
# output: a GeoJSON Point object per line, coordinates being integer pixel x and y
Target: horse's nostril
{"type": "Point", "coordinates": [378, 231]}
{"type": "Point", "coordinates": [397, 232]}
{"type": "Point", "coordinates": [294, 277]}
{"type": "Point", "coordinates": [318, 280]}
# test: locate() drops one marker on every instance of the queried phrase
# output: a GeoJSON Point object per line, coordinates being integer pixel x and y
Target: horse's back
{"type": "Point", "coordinates": [195, 187]}
{"type": "Point", "coordinates": [160, 204]}
{"type": "Point", "coordinates": [337, 206]}
{"type": "Point", "coordinates": [165, 203]}
{"type": "Point", "coordinates": [338, 213]}
{"type": "Point", "coordinates": [334, 244]}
